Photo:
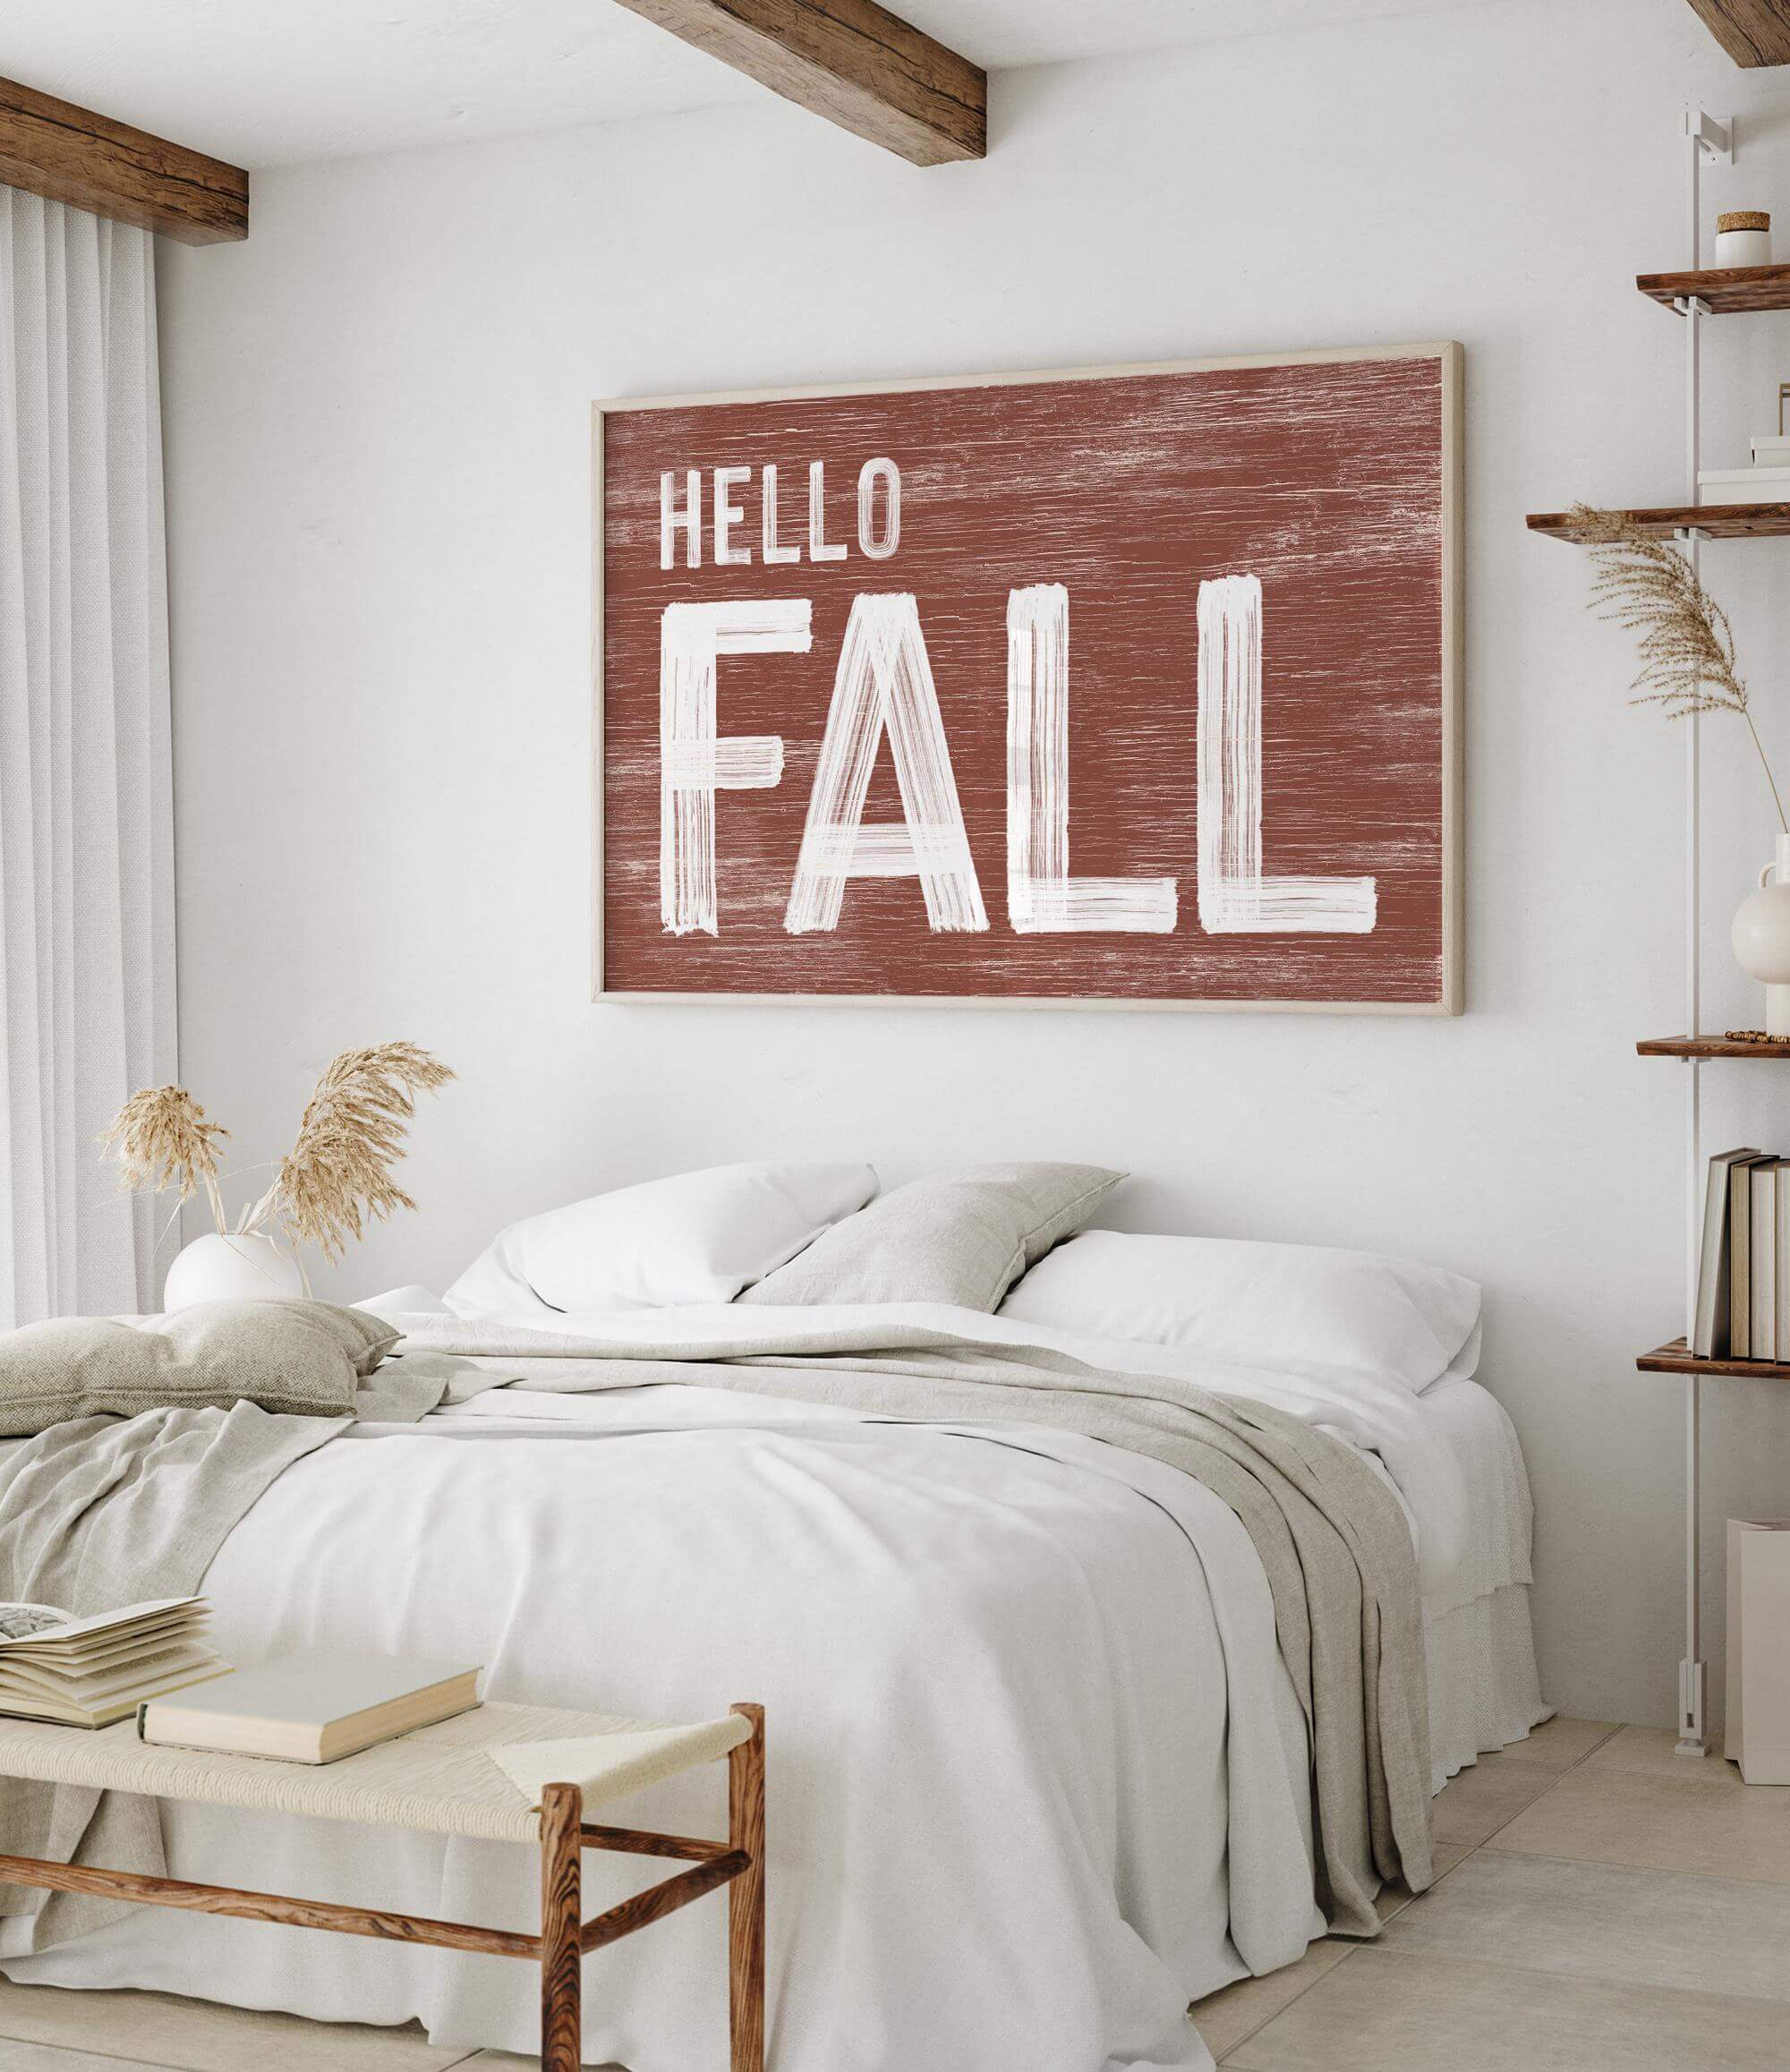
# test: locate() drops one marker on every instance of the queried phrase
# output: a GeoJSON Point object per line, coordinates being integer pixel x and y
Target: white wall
{"type": "Point", "coordinates": [377, 415]}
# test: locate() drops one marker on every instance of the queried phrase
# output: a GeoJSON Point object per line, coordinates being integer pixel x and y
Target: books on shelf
{"type": "Point", "coordinates": [1743, 1274]}
{"type": "Point", "coordinates": [315, 1707]}
{"type": "Point", "coordinates": [93, 1671]}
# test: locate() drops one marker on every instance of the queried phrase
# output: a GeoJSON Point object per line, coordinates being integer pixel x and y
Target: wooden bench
{"type": "Point", "coordinates": [441, 1779]}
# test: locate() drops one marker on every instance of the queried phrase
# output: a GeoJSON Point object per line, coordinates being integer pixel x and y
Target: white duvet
{"type": "Point", "coordinates": [1037, 1775]}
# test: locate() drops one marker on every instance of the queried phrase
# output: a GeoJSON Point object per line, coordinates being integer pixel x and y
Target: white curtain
{"type": "Point", "coordinates": [86, 811]}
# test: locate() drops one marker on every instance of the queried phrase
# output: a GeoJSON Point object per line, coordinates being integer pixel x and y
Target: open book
{"type": "Point", "coordinates": [90, 1672]}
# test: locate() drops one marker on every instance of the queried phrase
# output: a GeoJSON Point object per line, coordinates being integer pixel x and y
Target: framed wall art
{"type": "Point", "coordinates": [1131, 687]}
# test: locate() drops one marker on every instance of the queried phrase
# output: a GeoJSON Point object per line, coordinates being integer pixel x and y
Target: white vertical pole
{"type": "Point", "coordinates": [1691, 1673]}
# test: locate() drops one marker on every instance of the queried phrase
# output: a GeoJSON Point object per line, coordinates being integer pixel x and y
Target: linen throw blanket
{"type": "Point", "coordinates": [108, 1511]}
{"type": "Point", "coordinates": [1331, 1534]}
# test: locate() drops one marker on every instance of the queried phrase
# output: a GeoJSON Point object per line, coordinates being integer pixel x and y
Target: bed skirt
{"type": "Point", "coordinates": [1483, 1690]}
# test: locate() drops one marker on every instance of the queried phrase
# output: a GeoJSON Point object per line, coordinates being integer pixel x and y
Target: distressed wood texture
{"type": "Point", "coordinates": [1718, 521]}
{"type": "Point", "coordinates": [1333, 478]}
{"type": "Point", "coordinates": [1753, 32]}
{"type": "Point", "coordinates": [746, 1898]}
{"type": "Point", "coordinates": [851, 61]}
{"type": "Point", "coordinates": [561, 1930]}
{"type": "Point", "coordinates": [1724, 290]}
{"type": "Point", "coordinates": [146, 1890]}
{"type": "Point", "coordinates": [69, 154]}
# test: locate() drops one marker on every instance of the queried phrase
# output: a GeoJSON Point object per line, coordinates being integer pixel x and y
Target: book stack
{"type": "Point", "coordinates": [90, 1672]}
{"type": "Point", "coordinates": [1765, 481]}
{"type": "Point", "coordinates": [1744, 1280]}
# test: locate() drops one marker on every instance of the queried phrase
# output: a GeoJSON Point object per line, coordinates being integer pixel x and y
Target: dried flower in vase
{"type": "Point", "coordinates": [335, 1179]}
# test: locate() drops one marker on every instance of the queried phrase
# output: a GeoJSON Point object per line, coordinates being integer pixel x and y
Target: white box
{"type": "Point", "coordinates": [1743, 485]}
{"type": "Point", "coordinates": [1759, 1648]}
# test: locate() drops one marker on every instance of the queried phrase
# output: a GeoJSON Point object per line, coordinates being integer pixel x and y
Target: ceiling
{"type": "Point", "coordinates": [269, 82]}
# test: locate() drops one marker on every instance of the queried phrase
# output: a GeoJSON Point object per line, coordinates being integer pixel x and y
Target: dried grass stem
{"type": "Point", "coordinates": [1645, 586]}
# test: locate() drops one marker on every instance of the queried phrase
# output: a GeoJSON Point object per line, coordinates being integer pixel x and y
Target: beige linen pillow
{"type": "Point", "coordinates": [299, 1357]}
{"type": "Point", "coordinates": [962, 1237]}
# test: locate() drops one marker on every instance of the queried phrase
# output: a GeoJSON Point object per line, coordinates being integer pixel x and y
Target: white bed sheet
{"type": "Point", "coordinates": [1037, 1776]}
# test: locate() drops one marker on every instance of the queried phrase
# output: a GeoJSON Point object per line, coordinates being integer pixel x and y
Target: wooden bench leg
{"type": "Point", "coordinates": [562, 1812]}
{"type": "Point", "coordinates": [745, 1898]}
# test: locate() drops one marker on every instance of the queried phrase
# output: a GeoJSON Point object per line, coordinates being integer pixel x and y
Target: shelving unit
{"type": "Point", "coordinates": [1698, 292]}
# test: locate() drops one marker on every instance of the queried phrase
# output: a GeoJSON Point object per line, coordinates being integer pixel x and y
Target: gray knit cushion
{"type": "Point", "coordinates": [301, 1357]}
{"type": "Point", "coordinates": [962, 1237]}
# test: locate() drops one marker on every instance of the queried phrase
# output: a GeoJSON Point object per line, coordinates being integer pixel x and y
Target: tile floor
{"type": "Point", "coordinates": [1603, 1907]}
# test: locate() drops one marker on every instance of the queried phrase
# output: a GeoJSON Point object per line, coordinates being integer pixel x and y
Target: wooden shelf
{"type": "Point", "coordinates": [1726, 290]}
{"type": "Point", "coordinates": [1718, 521]}
{"type": "Point", "coordinates": [1673, 1358]}
{"type": "Point", "coordinates": [1709, 1048]}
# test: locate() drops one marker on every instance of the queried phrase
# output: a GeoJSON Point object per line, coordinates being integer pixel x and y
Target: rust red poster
{"type": "Point", "coordinates": [1137, 686]}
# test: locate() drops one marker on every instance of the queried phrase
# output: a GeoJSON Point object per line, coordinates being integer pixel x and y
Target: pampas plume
{"type": "Point", "coordinates": [1649, 588]}
{"type": "Point", "coordinates": [164, 1140]}
{"type": "Point", "coordinates": [337, 1176]}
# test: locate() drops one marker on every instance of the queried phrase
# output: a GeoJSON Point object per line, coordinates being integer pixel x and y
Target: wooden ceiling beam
{"type": "Point", "coordinates": [1753, 32]}
{"type": "Point", "coordinates": [849, 60]}
{"type": "Point", "coordinates": [65, 153]}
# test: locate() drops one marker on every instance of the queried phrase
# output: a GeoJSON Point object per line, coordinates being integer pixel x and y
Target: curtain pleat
{"type": "Point", "coordinates": [86, 806]}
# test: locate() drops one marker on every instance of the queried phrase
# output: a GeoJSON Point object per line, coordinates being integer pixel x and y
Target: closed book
{"type": "Point", "coordinates": [316, 1707]}
{"type": "Point", "coordinates": [1711, 1339]}
{"type": "Point", "coordinates": [1781, 1263]}
{"type": "Point", "coordinates": [1762, 1322]}
{"type": "Point", "coordinates": [1773, 451]}
{"type": "Point", "coordinates": [1740, 1258]}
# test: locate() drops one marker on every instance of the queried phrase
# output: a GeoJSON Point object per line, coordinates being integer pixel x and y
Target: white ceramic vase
{"type": "Point", "coordinates": [235, 1269]}
{"type": "Point", "coordinates": [1761, 938]}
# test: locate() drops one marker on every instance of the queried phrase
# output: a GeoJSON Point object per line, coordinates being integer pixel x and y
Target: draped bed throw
{"type": "Point", "coordinates": [86, 811]}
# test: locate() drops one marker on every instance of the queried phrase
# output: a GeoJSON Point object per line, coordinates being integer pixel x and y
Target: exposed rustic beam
{"type": "Point", "coordinates": [849, 60]}
{"type": "Point", "coordinates": [65, 153]}
{"type": "Point", "coordinates": [1753, 32]}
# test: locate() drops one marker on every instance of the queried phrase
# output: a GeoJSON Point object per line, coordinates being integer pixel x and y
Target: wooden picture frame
{"type": "Point", "coordinates": [1444, 885]}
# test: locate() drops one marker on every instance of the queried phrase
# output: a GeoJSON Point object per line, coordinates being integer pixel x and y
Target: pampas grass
{"type": "Point", "coordinates": [336, 1178]}
{"type": "Point", "coordinates": [162, 1140]}
{"type": "Point", "coordinates": [1687, 650]}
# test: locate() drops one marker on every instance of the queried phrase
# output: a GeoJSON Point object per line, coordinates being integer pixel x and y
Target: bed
{"type": "Point", "coordinates": [1039, 1776]}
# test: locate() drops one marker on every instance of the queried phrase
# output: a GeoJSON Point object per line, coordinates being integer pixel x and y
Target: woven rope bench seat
{"type": "Point", "coordinates": [437, 1780]}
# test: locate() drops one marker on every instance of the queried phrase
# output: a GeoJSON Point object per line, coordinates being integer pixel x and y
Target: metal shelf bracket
{"type": "Point", "coordinates": [1714, 135]}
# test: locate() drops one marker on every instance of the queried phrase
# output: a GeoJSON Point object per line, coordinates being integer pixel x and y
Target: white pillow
{"type": "Point", "coordinates": [698, 1237]}
{"type": "Point", "coordinates": [1303, 1309]}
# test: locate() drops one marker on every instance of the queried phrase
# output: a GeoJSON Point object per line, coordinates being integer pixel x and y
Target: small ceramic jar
{"type": "Point", "coordinates": [1743, 238]}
